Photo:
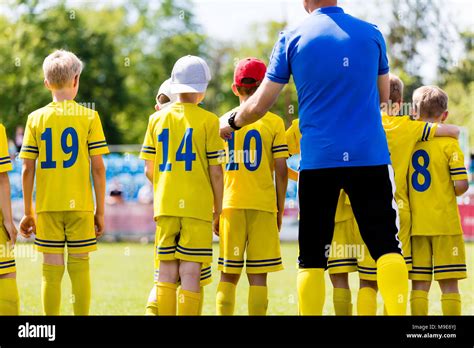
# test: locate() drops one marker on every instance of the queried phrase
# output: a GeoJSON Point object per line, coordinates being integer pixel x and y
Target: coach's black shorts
{"type": "Point", "coordinates": [371, 192]}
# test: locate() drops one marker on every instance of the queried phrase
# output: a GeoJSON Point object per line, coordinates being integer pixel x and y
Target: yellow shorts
{"type": "Point", "coordinates": [444, 256]}
{"type": "Point", "coordinates": [7, 257]}
{"type": "Point", "coordinates": [183, 238]}
{"type": "Point", "coordinates": [253, 233]}
{"type": "Point", "coordinates": [367, 265]}
{"type": "Point", "coordinates": [206, 271]}
{"type": "Point", "coordinates": [341, 258]}
{"type": "Point", "coordinates": [55, 230]}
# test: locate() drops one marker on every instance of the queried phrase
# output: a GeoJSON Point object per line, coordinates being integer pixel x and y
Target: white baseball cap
{"type": "Point", "coordinates": [190, 74]}
{"type": "Point", "coordinates": [165, 89]}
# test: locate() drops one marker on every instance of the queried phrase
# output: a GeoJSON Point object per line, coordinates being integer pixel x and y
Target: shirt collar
{"type": "Point", "coordinates": [328, 10]}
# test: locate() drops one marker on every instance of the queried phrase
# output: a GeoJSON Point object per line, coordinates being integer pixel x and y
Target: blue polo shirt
{"type": "Point", "coordinates": [335, 60]}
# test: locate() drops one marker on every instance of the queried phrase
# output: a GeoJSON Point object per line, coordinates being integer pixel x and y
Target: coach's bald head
{"type": "Point", "coordinates": [311, 5]}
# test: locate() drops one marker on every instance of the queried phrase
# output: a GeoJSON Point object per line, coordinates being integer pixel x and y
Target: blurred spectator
{"type": "Point", "coordinates": [19, 133]}
{"type": "Point", "coordinates": [145, 194]}
{"type": "Point", "coordinates": [115, 196]}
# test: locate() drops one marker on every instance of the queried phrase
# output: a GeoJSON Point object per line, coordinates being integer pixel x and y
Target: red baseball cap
{"type": "Point", "coordinates": [250, 68]}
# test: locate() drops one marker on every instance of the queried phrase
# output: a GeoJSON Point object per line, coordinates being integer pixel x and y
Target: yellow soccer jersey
{"type": "Point", "coordinates": [5, 161]}
{"type": "Point", "coordinates": [183, 141]}
{"type": "Point", "coordinates": [293, 138]}
{"type": "Point", "coordinates": [249, 168]}
{"type": "Point", "coordinates": [434, 167]}
{"type": "Point", "coordinates": [402, 136]}
{"type": "Point", "coordinates": [63, 136]}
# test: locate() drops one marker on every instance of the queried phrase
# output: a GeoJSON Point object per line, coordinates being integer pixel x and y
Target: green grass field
{"type": "Point", "coordinates": [122, 276]}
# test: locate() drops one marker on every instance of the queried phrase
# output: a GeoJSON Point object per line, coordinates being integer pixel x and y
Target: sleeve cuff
{"type": "Point", "coordinates": [99, 151]}
{"type": "Point", "coordinates": [277, 79]}
{"type": "Point", "coordinates": [384, 71]}
{"type": "Point", "coordinates": [6, 167]}
{"type": "Point", "coordinates": [147, 156]}
{"type": "Point", "coordinates": [216, 158]}
{"type": "Point", "coordinates": [27, 154]}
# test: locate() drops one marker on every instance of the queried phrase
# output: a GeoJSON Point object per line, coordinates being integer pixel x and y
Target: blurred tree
{"type": "Point", "coordinates": [459, 84]}
{"type": "Point", "coordinates": [415, 27]}
{"type": "Point", "coordinates": [226, 57]}
{"type": "Point", "coordinates": [128, 51]}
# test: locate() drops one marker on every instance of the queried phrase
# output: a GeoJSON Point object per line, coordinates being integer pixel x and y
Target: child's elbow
{"type": "Point", "coordinates": [461, 187]}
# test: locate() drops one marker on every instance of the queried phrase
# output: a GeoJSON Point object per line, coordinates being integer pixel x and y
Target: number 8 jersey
{"type": "Point", "coordinates": [434, 165]}
{"type": "Point", "coordinates": [248, 176]}
{"type": "Point", "coordinates": [183, 141]}
{"type": "Point", "coordinates": [63, 136]}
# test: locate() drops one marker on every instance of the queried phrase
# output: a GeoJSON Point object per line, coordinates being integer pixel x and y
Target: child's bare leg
{"type": "Point", "coordinates": [258, 294]}
{"type": "Point", "coordinates": [166, 287]}
{"type": "Point", "coordinates": [341, 294]}
{"type": "Point", "coordinates": [450, 299]}
{"type": "Point", "coordinates": [419, 297]}
{"type": "Point", "coordinates": [367, 297]}
{"type": "Point", "coordinates": [53, 270]}
{"type": "Point", "coordinates": [225, 298]}
{"type": "Point", "coordinates": [79, 273]}
{"type": "Point", "coordinates": [189, 296]}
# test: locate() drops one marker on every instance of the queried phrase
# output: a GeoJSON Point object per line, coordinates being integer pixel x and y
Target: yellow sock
{"type": "Point", "coordinates": [79, 273]}
{"type": "Point", "coordinates": [225, 299]}
{"type": "Point", "coordinates": [367, 301]}
{"type": "Point", "coordinates": [166, 298]}
{"type": "Point", "coordinates": [188, 302]}
{"type": "Point", "coordinates": [51, 288]}
{"type": "Point", "coordinates": [258, 300]}
{"type": "Point", "coordinates": [151, 308]}
{"type": "Point", "coordinates": [451, 304]}
{"type": "Point", "coordinates": [9, 298]}
{"type": "Point", "coordinates": [201, 301]}
{"type": "Point", "coordinates": [311, 291]}
{"type": "Point", "coordinates": [392, 279]}
{"type": "Point", "coordinates": [342, 301]}
{"type": "Point", "coordinates": [419, 302]}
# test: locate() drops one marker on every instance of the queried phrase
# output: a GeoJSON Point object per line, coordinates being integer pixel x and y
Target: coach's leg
{"type": "Point", "coordinates": [53, 271]}
{"type": "Point", "coordinates": [318, 194]}
{"type": "Point", "coordinates": [371, 192]}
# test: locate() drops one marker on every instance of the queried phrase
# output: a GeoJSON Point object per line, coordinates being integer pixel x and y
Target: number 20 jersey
{"type": "Point", "coordinates": [434, 165]}
{"type": "Point", "coordinates": [248, 178]}
{"type": "Point", "coordinates": [183, 141]}
{"type": "Point", "coordinates": [62, 136]}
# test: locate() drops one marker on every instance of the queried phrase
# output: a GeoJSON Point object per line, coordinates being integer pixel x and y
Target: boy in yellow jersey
{"type": "Point", "coordinates": [437, 175]}
{"type": "Point", "coordinates": [67, 140]}
{"type": "Point", "coordinates": [342, 260]}
{"type": "Point", "coordinates": [164, 98]}
{"type": "Point", "coordinates": [184, 156]}
{"type": "Point", "coordinates": [402, 136]}
{"type": "Point", "coordinates": [253, 204]}
{"type": "Point", "coordinates": [9, 299]}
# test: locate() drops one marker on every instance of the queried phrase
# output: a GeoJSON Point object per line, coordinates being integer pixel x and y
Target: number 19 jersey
{"type": "Point", "coordinates": [248, 178]}
{"type": "Point", "coordinates": [63, 136]}
{"type": "Point", "coordinates": [183, 141]}
{"type": "Point", "coordinates": [433, 168]}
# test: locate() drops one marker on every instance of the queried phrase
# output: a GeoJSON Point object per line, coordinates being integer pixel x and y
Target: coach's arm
{"type": "Point", "coordinates": [255, 107]}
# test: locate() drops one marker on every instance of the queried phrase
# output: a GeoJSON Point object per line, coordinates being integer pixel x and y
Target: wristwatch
{"type": "Point", "coordinates": [231, 121]}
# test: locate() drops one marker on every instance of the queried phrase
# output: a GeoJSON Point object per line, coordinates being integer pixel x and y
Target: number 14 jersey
{"type": "Point", "coordinates": [63, 136]}
{"type": "Point", "coordinates": [183, 141]}
{"type": "Point", "coordinates": [434, 166]}
{"type": "Point", "coordinates": [250, 155]}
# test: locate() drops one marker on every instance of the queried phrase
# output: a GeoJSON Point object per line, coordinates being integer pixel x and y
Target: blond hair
{"type": "Point", "coordinates": [430, 101]}
{"type": "Point", "coordinates": [396, 89]}
{"type": "Point", "coordinates": [61, 67]}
